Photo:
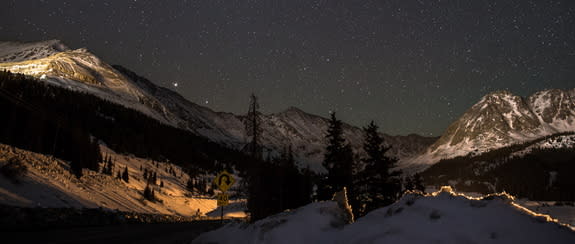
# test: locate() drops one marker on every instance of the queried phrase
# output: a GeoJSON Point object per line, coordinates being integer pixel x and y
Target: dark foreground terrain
{"type": "Point", "coordinates": [117, 233]}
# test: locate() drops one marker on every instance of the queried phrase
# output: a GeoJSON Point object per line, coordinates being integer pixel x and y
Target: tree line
{"type": "Point", "coordinates": [539, 174]}
{"type": "Point", "coordinates": [69, 125]}
{"type": "Point", "coordinates": [28, 123]}
{"type": "Point", "coordinates": [277, 184]}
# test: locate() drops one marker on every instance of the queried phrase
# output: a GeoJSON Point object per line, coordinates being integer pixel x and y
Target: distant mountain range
{"type": "Point", "coordinates": [499, 119]}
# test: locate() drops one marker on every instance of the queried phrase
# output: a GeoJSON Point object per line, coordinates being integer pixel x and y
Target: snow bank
{"type": "Point", "coordinates": [448, 217]}
{"type": "Point", "coordinates": [313, 223]}
{"type": "Point", "coordinates": [440, 217]}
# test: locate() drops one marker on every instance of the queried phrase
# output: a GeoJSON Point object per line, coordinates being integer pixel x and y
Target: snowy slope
{"type": "Point", "coordinates": [555, 109]}
{"type": "Point", "coordinates": [565, 213]}
{"type": "Point", "coordinates": [18, 51]}
{"type": "Point", "coordinates": [49, 183]}
{"type": "Point", "coordinates": [82, 71]}
{"type": "Point", "coordinates": [441, 217]}
{"type": "Point", "coordinates": [501, 119]}
{"type": "Point", "coordinates": [309, 224]}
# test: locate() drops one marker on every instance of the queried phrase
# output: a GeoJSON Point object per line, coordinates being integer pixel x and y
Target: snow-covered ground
{"type": "Point", "coordinates": [441, 217]}
{"type": "Point", "coordinates": [48, 183]}
{"type": "Point", "coordinates": [563, 212]}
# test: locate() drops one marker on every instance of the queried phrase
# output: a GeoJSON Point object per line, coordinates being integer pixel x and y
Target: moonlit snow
{"type": "Point", "coordinates": [440, 217]}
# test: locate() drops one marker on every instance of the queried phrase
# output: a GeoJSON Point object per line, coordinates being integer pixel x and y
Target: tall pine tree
{"type": "Point", "coordinates": [338, 160]}
{"type": "Point", "coordinates": [253, 128]}
{"type": "Point", "coordinates": [377, 185]}
{"type": "Point", "coordinates": [125, 175]}
{"type": "Point", "coordinates": [254, 173]}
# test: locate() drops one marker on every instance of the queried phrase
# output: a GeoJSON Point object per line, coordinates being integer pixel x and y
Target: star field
{"type": "Point", "coordinates": [412, 66]}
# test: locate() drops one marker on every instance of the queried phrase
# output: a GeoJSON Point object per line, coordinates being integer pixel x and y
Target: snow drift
{"type": "Point", "coordinates": [440, 217]}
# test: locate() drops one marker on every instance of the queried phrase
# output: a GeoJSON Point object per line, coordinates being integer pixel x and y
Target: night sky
{"type": "Point", "coordinates": [412, 66]}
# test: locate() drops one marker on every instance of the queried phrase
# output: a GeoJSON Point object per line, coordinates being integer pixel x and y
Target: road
{"type": "Point", "coordinates": [128, 233]}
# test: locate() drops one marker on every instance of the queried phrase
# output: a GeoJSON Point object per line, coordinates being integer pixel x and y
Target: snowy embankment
{"type": "Point", "coordinates": [49, 184]}
{"type": "Point", "coordinates": [440, 217]}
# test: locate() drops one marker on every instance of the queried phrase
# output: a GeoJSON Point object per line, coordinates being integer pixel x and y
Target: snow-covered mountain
{"type": "Point", "coordinates": [80, 70]}
{"type": "Point", "coordinates": [501, 119]}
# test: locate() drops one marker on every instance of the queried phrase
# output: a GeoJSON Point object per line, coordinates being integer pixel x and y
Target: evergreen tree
{"type": "Point", "coordinates": [254, 172]}
{"type": "Point", "coordinates": [110, 166]}
{"type": "Point", "coordinates": [414, 183]}
{"type": "Point", "coordinates": [76, 168]}
{"type": "Point", "coordinates": [296, 189]}
{"type": "Point", "coordinates": [409, 183]}
{"type": "Point", "coordinates": [376, 185]}
{"type": "Point", "coordinates": [418, 183]}
{"type": "Point", "coordinates": [125, 175]}
{"type": "Point", "coordinates": [253, 128]}
{"type": "Point", "coordinates": [190, 185]}
{"type": "Point", "coordinates": [149, 193]}
{"type": "Point", "coordinates": [338, 160]}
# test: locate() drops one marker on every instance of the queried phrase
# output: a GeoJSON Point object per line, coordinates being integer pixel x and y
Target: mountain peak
{"type": "Point", "coordinates": [21, 51]}
{"type": "Point", "coordinates": [497, 95]}
{"type": "Point", "coordinates": [57, 44]}
{"type": "Point", "coordinates": [499, 99]}
{"type": "Point", "coordinates": [292, 109]}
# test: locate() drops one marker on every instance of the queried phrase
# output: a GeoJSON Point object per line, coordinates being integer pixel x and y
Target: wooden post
{"type": "Point", "coordinates": [222, 216]}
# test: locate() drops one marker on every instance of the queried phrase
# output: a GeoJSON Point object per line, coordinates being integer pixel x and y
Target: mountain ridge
{"type": "Point", "coordinates": [81, 70]}
{"type": "Point", "coordinates": [498, 119]}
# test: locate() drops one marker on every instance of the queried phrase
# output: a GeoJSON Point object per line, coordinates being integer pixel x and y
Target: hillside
{"type": "Point", "coordinates": [49, 184]}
